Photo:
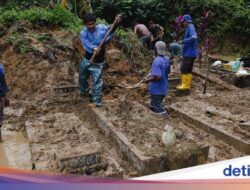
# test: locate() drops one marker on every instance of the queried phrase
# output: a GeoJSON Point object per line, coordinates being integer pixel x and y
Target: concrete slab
{"type": "Point", "coordinates": [213, 78]}
{"type": "Point", "coordinates": [60, 142]}
{"type": "Point", "coordinates": [147, 158]}
{"type": "Point", "coordinates": [245, 125]}
{"type": "Point", "coordinates": [81, 156]}
{"type": "Point", "coordinates": [217, 123]}
{"type": "Point", "coordinates": [53, 133]}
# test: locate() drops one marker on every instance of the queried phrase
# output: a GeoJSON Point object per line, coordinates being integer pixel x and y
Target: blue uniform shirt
{"type": "Point", "coordinates": [91, 40]}
{"type": "Point", "coordinates": [190, 42]}
{"type": "Point", "coordinates": [3, 85]}
{"type": "Point", "coordinates": [161, 68]}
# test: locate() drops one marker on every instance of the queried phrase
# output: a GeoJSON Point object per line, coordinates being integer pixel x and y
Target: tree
{"type": "Point", "coordinates": [79, 7]}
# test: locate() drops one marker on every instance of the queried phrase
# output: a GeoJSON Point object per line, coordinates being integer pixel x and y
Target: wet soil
{"type": "Point", "coordinates": [218, 150]}
{"type": "Point", "coordinates": [32, 75]}
{"type": "Point", "coordinates": [15, 151]}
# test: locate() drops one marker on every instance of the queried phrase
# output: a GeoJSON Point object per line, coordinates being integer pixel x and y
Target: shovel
{"type": "Point", "coordinates": [103, 41]}
{"type": "Point", "coordinates": [208, 70]}
{"type": "Point", "coordinates": [139, 83]}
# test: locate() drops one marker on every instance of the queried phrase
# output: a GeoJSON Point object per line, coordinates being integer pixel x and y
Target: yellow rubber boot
{"type": "Point", "coordinates": [189, 80]}
{"type": "Point", "coordinates": [184, 82]}
{"type": "Point", "coordinates": [181, 82]}
{"type": "Point", "coordinates": [179, 86]}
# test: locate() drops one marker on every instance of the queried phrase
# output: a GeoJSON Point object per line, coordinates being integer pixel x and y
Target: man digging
{"type": "Point", "coordinates": [91, 37]}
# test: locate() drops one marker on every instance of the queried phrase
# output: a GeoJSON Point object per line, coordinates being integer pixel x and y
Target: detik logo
{"type": "Point", "coordinates": [235, 171]}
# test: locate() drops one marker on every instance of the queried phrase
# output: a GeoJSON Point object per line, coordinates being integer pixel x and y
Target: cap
{"type": "Point", "coordinates": [160, 48]}
{"type": "Point", "coordinates": [187, 18]}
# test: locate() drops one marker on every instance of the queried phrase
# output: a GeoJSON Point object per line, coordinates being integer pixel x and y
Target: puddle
{"type": "Point", "coordinates": [3, 160]}
{"type": "Point", "coordinates": [14, 151]}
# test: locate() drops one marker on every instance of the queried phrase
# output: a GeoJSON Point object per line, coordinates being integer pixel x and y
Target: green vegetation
{"type": "Point", "coordinates": [79, 7]}
{"type": "Point", "coordinates": [55, 17]}
{"type": "Point", "coordinates": [129, 43]}
{"type": "Point", "coordinates": [18, 42]}
{"type": "Point", "coordinates": [43, 37]}
{"type": "Point", "coordinates": [231, 16]}
{"type": "Point", "coordinates": [231, 19]}
{"type": "Point", "coordinates": [23, 4]}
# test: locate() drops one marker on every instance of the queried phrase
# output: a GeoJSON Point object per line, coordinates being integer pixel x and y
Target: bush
{"type": "Point", "coordinates": [50, 17]}
{"type": "Point", "coordinates": [130, 44]}
{"type": "Point", "coordinates": [24, 4]}
{"type": "Point", "coordinates": [231, 17]}
{"type": "Point", "coordinates": [130, 9]}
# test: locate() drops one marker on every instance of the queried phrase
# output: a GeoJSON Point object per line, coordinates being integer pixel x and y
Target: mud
{"type": "Point", "coordinates": [145, 159]}
{"type": "Point", "coordinates": [218, 150]}
{"type": "Point", "coordinates": [144, 130]}
{"type": "Point", "coordinates": [52, 123]}
{"type": "Point", "coordinates": [60, 142]}
{"type": "Point", "coordinates": [15, 151]}
{"type": "Point", "coordinates": [134, 120]}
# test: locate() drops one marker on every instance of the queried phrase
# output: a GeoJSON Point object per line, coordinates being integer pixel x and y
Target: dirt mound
{"type": "Point", "coordinates": [35, 59]}
{"type": "Point", "coordinates": [38, 58]}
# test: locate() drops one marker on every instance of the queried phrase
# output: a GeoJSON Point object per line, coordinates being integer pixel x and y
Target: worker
{"type": "Point", "coordinates": [190, 52]}
{"type": "Point", "coordinates": [175, 49]}
{"type": "Point", "coordinates": [156, 33]}
{"type": "Point", "coordinates": [158, 79]}
{"type": "Point", "coordinates": [143, 33]}
{"type": "Point", "coordinates": [91, 36]}
{"type": "Point", "coordinates": [4, 101]}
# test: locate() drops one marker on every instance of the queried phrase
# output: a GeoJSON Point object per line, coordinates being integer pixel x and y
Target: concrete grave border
{"type": "Point", "coordinates": [144, 164]}
{"type": "Point", "coordinates": [227, 138]}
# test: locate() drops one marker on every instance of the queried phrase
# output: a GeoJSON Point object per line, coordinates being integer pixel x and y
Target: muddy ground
{"type": "Point", "coordinates": [46, 124]}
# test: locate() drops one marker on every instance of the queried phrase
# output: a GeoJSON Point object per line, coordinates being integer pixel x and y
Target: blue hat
{"type": "Point", "coordinates": [187, 18]}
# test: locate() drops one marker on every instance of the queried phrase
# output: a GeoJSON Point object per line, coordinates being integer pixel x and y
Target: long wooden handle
{"type": "Point", "coordinates": [103, 41]}
{"type": "Point", "coordinates": [208, 69]}
{"type": "Point", "coordinates": [140, 82]}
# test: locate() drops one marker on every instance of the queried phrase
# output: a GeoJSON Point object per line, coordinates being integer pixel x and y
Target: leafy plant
{"type": "Point", "coordinates": [24, 4]}
{"type": "Point", "coordinates": [79, 7]}
{"type": "Point", "coordinates": [129, 43]}
{"type": "Point", "coordinates": [45, 16]}
{"type": "Point", "coordinates": [43, 37]}
{"type": "Point", "coordinates": [232, 17]}
{"type": "Point", "coordinates": [207, 43]}
{"type": "Point", "coordinates": [130, 10]}
{"type": "Point", "coordinates": [177, 28]}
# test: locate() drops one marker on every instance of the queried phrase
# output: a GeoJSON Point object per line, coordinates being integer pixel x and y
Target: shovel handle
{"type": "Point", "coordinates": [103, 41]}
{"type": "Point", "coordinates": [140, 82]}
{"type": "Point", "coordinates": [208, 69]}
